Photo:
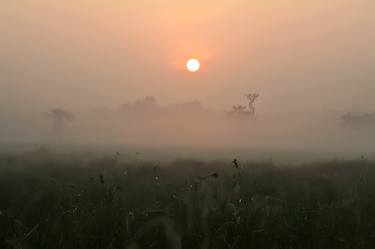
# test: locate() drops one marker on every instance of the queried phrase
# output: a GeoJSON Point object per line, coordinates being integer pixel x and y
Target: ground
{"type": "Point", "coordinates": [72, 201]}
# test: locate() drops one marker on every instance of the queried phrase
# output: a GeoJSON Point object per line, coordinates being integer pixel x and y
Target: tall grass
{"type": "Point", "coordinates": [50, 201]}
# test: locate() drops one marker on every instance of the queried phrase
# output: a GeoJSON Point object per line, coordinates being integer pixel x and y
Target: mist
{"type": "Point", "coordinates": [311, 62]}
{"type": "Point", "coordinates": [191, 130]}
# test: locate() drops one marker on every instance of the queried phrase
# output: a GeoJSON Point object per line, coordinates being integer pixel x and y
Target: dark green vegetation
{"type": "Point", "coordinates": [51, 201]}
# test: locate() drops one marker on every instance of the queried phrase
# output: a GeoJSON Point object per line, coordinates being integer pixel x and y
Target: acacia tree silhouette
{"type": "Point", "coordinates": [240, 110]}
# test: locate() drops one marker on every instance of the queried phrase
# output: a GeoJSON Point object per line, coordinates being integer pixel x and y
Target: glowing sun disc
{"type": "Point", "coordinates": [193, 65]}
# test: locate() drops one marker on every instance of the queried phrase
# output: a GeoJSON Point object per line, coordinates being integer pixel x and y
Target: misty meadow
{"type": "Point", "coordinates": [190, 124]}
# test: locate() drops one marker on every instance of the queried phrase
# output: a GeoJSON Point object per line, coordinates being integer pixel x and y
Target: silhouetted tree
{"type": "Point", "coordinates": [251, 97]}
{"type": "Point", "coordinates": [359, 118]}
{"type": "Point", "coordinates": [240, 110]}
{"type": "Point", "coordinates": [59, 118]}
{"type": "Point", "coordinates": [145, 104]}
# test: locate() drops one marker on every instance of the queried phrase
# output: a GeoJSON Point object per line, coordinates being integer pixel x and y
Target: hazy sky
{"type": "Point", "coordinates": [81, 54]}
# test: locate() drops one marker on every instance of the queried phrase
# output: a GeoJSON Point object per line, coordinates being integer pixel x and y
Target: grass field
{"type": "Point", "coordinates": [54, 201]}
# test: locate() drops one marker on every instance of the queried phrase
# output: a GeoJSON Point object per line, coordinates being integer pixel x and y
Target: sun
{"type": "Point", "coordinates": [193, 65]}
